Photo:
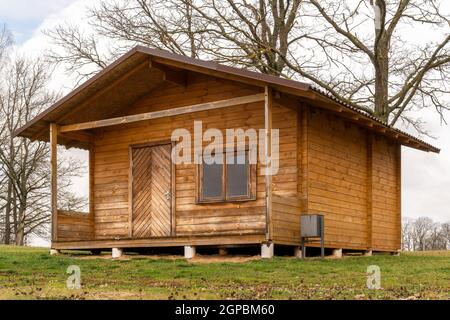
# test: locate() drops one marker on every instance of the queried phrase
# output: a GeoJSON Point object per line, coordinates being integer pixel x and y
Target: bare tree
{"type": "Point", "coordinates": [421, 231]}
{"type": "Point", "coordinates": [403, 74]}
{"type": "Point", "coordinates": [423, 234]}
{"type": "Point", "coordinates": [233, 32]}
{"type": "Point", "coordinates": [407, 234]}
{"type": "Point", "coordinates": [445, 233]}
{"type": "Point", "coordinates": [435, 240]}
{"type": "Point", "coordinates": [24, 165]}
{"type": "Point", "coordinates": [358, 51]}
{"type": "Point", "coordinates": [5, 41]}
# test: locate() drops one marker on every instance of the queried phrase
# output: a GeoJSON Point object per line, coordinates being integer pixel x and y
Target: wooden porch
{"type": "Point", "coordinates": [77, 230]}
{"type": "Point", "coordinates": [181, 241]}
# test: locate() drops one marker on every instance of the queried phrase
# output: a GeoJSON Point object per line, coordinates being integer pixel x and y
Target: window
{"type": "Point", "coordinates": [232, 179]}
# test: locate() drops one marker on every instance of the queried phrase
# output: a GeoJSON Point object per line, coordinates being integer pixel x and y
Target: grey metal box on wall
{"type": "Point", "coordinates": [311, 225]}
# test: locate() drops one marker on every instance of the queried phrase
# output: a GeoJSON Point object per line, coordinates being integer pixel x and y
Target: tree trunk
{"type": "Point", "coordinates": [8, 214]}
{"type": "Point", "coordinates": [20, 237]}
{"type": "Point", "coordinates": [381, 62]}
{"type": "Point", "coordinates": [382, 80]}
{"type": "Point", "coordinates": [20, 233]}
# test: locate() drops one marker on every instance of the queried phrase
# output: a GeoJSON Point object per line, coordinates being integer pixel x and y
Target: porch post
{"type": "Point", "coordinates": [268, 153]}
{"type": "Point", "coordinates": [91, 189]}
{"type": "Point", "coordinates": [54, 128]}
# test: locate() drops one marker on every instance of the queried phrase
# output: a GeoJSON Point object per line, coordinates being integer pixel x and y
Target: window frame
{"type": "Point", "coordinates": [225, 198]}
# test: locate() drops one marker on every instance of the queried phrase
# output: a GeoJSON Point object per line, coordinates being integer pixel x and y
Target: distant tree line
{"type": "Point", "coordinates": [423, 234]}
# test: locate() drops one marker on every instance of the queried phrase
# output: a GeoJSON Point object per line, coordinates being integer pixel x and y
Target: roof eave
{"type": "Point", "coordinates": [285, 85]}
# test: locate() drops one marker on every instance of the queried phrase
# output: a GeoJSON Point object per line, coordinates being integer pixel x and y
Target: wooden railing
{"type": "Point", "coordinates": [75, 226]}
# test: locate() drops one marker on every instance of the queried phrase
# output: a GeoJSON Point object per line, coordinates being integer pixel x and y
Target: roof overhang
{"type": "Point", "coordinates": [128, 72]}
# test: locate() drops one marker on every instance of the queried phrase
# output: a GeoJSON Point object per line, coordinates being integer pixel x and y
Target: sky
{"type": "Point", "coordinates": [23, 17]}
{"type": "Point", "coordinates": [425, 176]}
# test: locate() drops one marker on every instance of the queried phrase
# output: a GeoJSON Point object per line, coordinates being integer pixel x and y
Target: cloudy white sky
{"type": "Point", "coordinates": [426, 176]}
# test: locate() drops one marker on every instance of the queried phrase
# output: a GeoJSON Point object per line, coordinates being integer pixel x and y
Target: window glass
{"type": "Point", "coordinates": [237, 175]}
{"type": "Point", "coordinates": [212, 180]}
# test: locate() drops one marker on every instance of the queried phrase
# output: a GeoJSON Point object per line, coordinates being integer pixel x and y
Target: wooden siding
{"type": "Point", "coordinates": [286, 219]}
{"type": "Point", "coordinates": [112, 162]}
{"type": "Point", "coordinates": [353, 179]}
{"type": "Point", "coordinates": [285, 181]}
{"type": "Point", "coordinates": [73, 226]}
{"type": "Point", "coordinates": [386, 215]}
{"type": "Point", "coordinates": [286, 201]}
{"type": "Point", "coordinates": [337, 179]}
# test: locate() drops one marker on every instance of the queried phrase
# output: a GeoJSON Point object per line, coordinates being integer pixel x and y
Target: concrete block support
{"type": "Point", "coordinates": [267, 250]}
{"type": "Point", "coordinates": [54, 252]}
{"type": "Point", "coordinates": [223, 252]}
{"type": "Point", "coordinates": [117, 253]}
{"type": "Point", "coordinates": [298, 252]}
{"type": "Point", "coordinates": [337, 253]}
{"type": "Point", "coordinates": [396, 253]}
{"type": "Point", "coordinates": [368, 253]}
{"type": "Point", "coordinates": [189, 252]}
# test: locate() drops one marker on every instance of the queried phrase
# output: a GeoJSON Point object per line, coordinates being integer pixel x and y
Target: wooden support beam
{"type": "Point", "coordinates": [380, 128]}
{"type": "Point", "coordinates": [177, 77]}
{"type": "Point", "coordinates": [179, 241]}
{"type": "Point", "coordinates": [199, 69]}
{"type": "Point", "coordinates": [268, 100]}
{"type": "Point", "coordinates": [304, 158]}
{"type": "Point", "coordinates": [399, 194]}
{"type": "Point", "coordinates": [287, 102]}
{"type": "Point", "coordinates": [79, 136]}
{"type": "Point", "coordinates": [369, 189]}
{"type": "Point", "coordinates": [164, 113]}
{"type": "Point", "coordinates": [91, 184]}
{"type": "Point", "coordinates": [54, 180]}
{"type": "Point", "coordinates": [104, 90]}
{"type": "Point", "coordinates": [130, 192]}
{"type": "Point", "coordinates": [173, 197]}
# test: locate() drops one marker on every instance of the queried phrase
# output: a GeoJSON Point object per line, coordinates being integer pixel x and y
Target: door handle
{"type": "Point", "coordinates": [168, 195]}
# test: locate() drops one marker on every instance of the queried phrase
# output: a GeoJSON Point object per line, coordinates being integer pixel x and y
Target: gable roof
{"type": "Point", "coordinates": [123, 71]}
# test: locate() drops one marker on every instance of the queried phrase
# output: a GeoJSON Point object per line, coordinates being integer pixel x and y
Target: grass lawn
{"type": "Point", "coordinates": [30, 273]}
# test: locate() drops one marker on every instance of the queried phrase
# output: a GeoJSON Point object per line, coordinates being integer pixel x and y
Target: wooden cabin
{"type": "Point", "coordinates": [333, 160]}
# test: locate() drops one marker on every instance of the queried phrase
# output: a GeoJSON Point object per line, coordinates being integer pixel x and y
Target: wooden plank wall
{"type": "Point", "coordinates": [286, 204]}
{"type": "Point", "coordinates": [386, 215]}
{"type": "Point", "coordinates": [73, 226]}
{"type": "Point", "coordinates": [285, 181]}
{"type": "Point", "coordinates": [354, 180]}
{"type": "Point", "coordinates": [286, 219]}
{"type": "Point", "coordinates": [337, 179]}
{"type": "Point", "coordinates": [112, 161]}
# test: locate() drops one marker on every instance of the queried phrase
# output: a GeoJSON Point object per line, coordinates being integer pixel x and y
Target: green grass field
{"type": "Point", "coordinates": [30, 273]}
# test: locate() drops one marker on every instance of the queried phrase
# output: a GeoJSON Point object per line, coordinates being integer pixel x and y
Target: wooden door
{"type": "Point", "coordinates": [152, 186]}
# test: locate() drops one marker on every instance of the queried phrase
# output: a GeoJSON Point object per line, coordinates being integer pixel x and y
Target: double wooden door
{"type": "Point", "coordinates": [151, 191]}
